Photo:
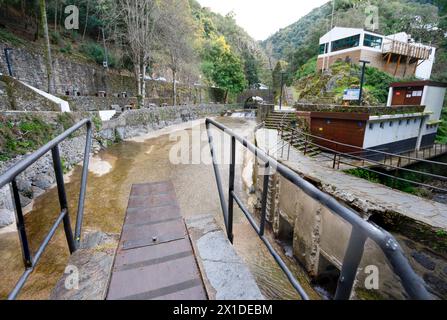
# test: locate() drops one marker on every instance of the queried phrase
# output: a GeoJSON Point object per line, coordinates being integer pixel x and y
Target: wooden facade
{"type": "Point", "coordinates": [406, 96]}
{"type": "Point", "coordinates": [346, 128]}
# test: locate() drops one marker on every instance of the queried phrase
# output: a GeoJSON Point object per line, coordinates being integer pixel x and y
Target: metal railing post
{"type": "Point", "coordinates": [351, 262]}
{"type": "Point", "coordinates": [265, 190]}
{"type": "Point", "coordinates": [231, 189]}
{"type": "Point", "coordinates": [63, 197]}
{"type": "Point", "coordinates": [81, 200]}
{"type": "Point", "coordinates": [26, 254]}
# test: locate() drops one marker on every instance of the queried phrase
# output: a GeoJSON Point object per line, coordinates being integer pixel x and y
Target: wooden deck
{"type": "Point", "coordinates": [154, 259]}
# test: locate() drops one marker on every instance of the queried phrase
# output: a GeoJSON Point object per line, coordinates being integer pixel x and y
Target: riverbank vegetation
{"type": "Point", "coordinates": [404, 185]}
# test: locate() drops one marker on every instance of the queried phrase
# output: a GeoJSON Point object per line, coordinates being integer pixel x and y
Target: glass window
{"type": "Point", "coordinates": [372, 41]}
{"type": "Point", "coordinates": [382, 125]}
{"type": "Point", "coordinates": [323, 48]}
{"type": "Point", "coordinates": [346, 43]}
{"type": "Point", "coordinates": [371, 126]}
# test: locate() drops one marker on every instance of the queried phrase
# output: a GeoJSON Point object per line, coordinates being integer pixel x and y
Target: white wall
{"type": "Point", "coordinates": [378, 136]}
{"type": "Point", "coordinates": [433, 99]}
{"type": "Point", "coordinates": [65, 107]}
{"type": "Point", "coordinates": [106, 115]}
{"type": "Point", "coordinates": [423, 71]}
{"type": "Point", "coordinates": [339, 33]}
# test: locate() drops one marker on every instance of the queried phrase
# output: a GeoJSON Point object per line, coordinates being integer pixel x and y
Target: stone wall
{"type": "Point", "coordinates": [83, 103]}
{"type": "Point", "coordinates": [138, 122]}
{"type": "Point", "coordinates": [75, 75]}
{"type": "Point", "coordinates": [21, 98]}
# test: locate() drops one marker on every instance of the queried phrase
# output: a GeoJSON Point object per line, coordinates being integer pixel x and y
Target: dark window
{"type": "Point", "coordinates": [371, 126]}
{"type": "Point", "coordinates": [328, 121]}
{"type": "Point", "coordinates": [323, 48]}
{"type": "Point", "coordinates": [382, 125]}
{"type": "Point", "coordinates": [345, 43]}
{"type": "Point", "coordinates": [372, 41]}
{"type": "Point", "coordinates": [408, 122]}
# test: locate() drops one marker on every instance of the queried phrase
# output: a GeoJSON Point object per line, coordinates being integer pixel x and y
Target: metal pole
{"type": "Point", "coordinates": [231, 189]}
{"type": "Point", "coordinates": [63, 197]}
{"type": "Point", "coordinates": [265, 190]}
{"type": "Point", "coordinates": [351, 262]}
{"type": "Point", "coordinates": [362, 80]}
{"type": "Point", "coordinates": [8, 61]}
{"type": "Point", "coordinates": [27, 259]}
{"type": "Point", "coordinates": [81, 200]}
{"type": "Point", "coordinates": [282, 85]}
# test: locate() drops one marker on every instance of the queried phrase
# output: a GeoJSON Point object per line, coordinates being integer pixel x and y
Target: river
{"type": "Point", "coordinates": [113, 171]}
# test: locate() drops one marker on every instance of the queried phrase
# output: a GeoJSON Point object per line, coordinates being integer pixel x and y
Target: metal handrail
{"type": "Point", "coordinates": [9, 177]}
{"type": "Point", "coordinates": [361, 229]}
{"type": "Point", "coordinates": [374, 162]}
{"type": "Point", "coordinates": [368, 150]}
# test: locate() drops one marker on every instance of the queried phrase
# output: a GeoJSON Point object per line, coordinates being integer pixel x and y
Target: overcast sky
{"type": "Point", "coordinates": [262, 18]}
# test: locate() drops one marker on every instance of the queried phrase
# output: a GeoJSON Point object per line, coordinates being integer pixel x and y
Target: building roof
{"type": "Point", "coordinates": [421, 83]}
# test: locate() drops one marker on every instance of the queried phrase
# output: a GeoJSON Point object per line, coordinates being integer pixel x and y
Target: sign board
{"type": "Point", "coordinates": [351, 94]}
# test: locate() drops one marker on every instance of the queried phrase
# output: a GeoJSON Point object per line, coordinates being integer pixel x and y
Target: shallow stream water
{"type": "Point", "coordinates": [113, 171]}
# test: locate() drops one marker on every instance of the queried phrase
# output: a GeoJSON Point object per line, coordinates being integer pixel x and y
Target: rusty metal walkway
{"type": "Point", "coordinates": [154, 258]}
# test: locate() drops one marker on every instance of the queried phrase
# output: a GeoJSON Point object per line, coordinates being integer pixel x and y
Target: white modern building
{"type": "Point", "coordinates": [395, 54]}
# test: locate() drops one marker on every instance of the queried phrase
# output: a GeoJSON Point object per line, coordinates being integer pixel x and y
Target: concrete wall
{"type": "Point", "coordinates": [433, 99]}
{"type": "Point", "coordinates": [376, 135]}
{"type": "Point", "coordinates": [319, 240]}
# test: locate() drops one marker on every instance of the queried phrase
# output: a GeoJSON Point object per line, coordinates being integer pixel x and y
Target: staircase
{"type": "Point", "coordinates": [276, 119]}
{"type": "Point", "coordinates": [300, 145]}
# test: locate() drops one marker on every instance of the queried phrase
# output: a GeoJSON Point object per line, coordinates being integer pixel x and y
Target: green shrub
{"type": "Point", "coordinates": [67, 49]}
{"type": "Point", "coordinates": [96, 52]}
{"type": "Point", "coordinates": [378, 83]}
{"type": "Point", "coordinates": [23, 136]}
{"type": "Point", "coordinates": [56, 38]}
{"type": "Point", "coordinates": [8, 37]}
{"type": "Point", "coordinates": [307, 69]}
{"type": "Point", "coordinates": [442, 131]}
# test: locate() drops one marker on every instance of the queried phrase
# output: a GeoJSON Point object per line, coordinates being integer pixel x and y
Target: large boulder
{"type": "Point", "coordinates": [7, 215]}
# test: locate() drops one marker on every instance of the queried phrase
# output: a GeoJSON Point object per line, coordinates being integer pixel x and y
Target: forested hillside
{"type": "Point", "coordinates": [177, 40]}
{"type": "Point", "coordinates": [425, 20]}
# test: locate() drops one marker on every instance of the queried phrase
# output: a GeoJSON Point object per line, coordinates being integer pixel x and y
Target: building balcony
{"type": "Point", "coordinates": [412, 51]}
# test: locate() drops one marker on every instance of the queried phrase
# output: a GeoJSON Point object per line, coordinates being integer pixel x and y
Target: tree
{"type": "Point", "coordinates": [251, 69]}
{"type": "Point", "coordinates": [48, 60]}
{"type": "Point", "coordinates": [177, 32]}
{"type": "Point", "coordinates": [141, 21]}
{"type": "Point", "coordinates": [222, 67]}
